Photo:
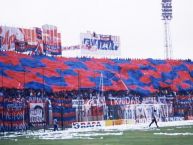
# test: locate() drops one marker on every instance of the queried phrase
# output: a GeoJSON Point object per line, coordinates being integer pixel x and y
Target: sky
{"type": "Point", "coordinates": [137, 22]}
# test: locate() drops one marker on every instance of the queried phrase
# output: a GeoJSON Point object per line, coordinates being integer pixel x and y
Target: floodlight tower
{"type": "Point", "coordinates": [166, 17]}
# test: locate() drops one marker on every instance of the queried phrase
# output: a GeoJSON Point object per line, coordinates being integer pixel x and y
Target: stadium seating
{"type": "Point", "coordinates": [144, 76]}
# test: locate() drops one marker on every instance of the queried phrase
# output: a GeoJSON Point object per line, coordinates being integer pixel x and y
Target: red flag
{"type": "Point", "coordinates": [33, 36]}
{"type": "Point", "coordinates": [59, 39]}
{"type": "Point", "coordinates": [55, 32]}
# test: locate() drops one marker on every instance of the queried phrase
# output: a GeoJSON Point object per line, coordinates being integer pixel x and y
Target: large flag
{"type": "Point", "coordinates": [39, 48]}
{"type": "Point", "coordinates": [8, 36]}
{"type": "Point", "coordinates": [51, 40]}
{"type": "Point", "coordinates": [38, 33]}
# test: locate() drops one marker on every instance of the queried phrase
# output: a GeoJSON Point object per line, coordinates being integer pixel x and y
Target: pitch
{"type": "Point", "coordinates": [178, 134]}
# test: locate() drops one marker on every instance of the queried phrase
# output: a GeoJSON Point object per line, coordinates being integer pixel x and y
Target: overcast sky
{"type": "Point", "coordinates": [137, 22]}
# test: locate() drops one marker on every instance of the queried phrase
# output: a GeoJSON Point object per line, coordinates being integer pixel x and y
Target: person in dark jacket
{"type": "Point", "coordinates": [55, 124]}
{"type": "Point", "coordinates": [154, 118]}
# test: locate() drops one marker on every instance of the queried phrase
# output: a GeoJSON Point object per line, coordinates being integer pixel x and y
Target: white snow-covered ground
{"type": "Point", "coordinates": [90, 133]}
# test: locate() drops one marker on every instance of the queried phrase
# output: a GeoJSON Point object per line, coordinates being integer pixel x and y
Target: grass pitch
{"type": "Point", "coordinates": [182, 135]}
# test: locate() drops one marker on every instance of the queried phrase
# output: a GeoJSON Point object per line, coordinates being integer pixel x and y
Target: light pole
{"type": "Point", "coordinates": [61, 113]}
{"type": "Point", "coordinates": [166, 17]}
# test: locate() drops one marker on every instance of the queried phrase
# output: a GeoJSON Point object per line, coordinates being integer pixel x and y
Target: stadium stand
{"type": "Point", "coordinates": [28, 78]}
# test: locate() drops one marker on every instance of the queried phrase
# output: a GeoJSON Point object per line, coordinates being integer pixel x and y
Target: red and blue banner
{"type": "Point", "coordinates": [51, 40]}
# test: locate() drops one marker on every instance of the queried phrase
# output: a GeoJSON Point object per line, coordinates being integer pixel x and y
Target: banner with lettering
{"type": "Point", "coordinates": [99, 42]}
{"type": "Point", "coordinates": [51, 40]}
{"type": "Point", "coordinates": [93, 44]}
{"type": "Point", "coordinates": [37, 112]}
{"type": "Point", "coordinates": [12, 113]}
{"type": "Point", "coordinates": [74, 47]}
{"type": "Point", "coordinates": [88, 124]}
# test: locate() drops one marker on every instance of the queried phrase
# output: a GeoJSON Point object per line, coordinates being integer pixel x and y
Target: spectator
{"type": "Point", "coordinates": [154, 118]}
{"type": "Point", "coordinates": [55, 124]}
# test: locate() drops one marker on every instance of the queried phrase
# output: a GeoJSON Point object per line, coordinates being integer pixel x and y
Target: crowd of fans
{"type": "Point", "coordinates": [182, 101]}
{"type": "Point", "coordinates": [87, 93]}
{"type": "Point", "coordinates": [57, 98]}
